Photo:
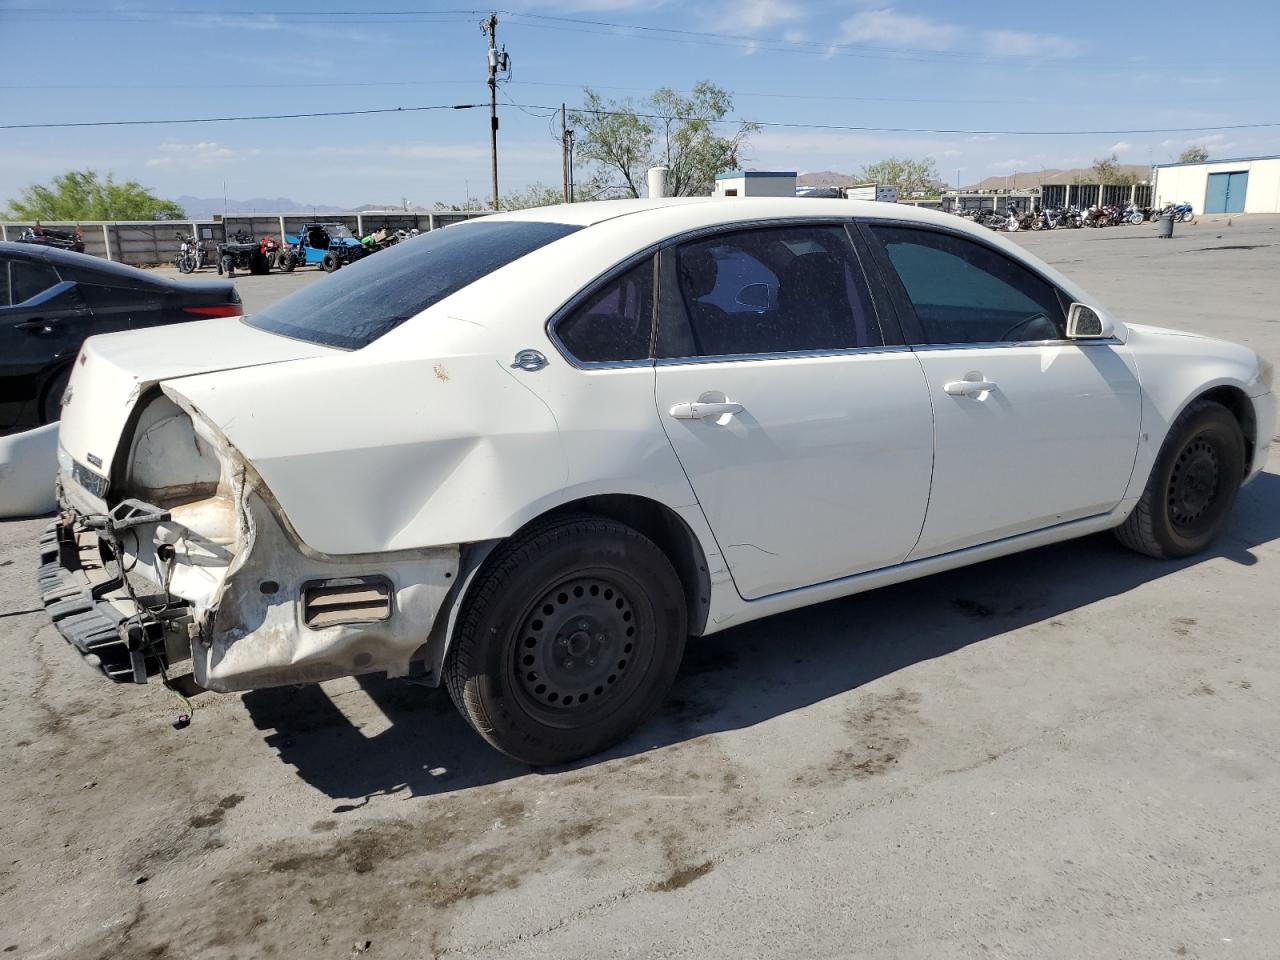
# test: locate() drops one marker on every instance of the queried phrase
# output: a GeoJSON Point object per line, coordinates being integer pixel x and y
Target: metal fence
{"type": "Point", "coordinates": [148, 242]}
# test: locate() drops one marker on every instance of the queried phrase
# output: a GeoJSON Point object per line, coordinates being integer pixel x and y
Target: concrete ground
{"type": "Point", "coordinates": [1070, 753]}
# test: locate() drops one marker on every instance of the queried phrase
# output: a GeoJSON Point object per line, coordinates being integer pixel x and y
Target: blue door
{"type": "Point", "coordinates": [1226, 191]}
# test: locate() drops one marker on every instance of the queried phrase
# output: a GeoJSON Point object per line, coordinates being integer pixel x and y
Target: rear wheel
{"type": "Point", "coordinates": [259, 264]}
{"type": "Point", "coordinates": [1192, 486]}
{"type": "Point", "coordinates": [570, 638]}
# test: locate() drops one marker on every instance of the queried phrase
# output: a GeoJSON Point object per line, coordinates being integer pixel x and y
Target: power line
{"type": "Point", "coordinates": [270, 116]}
{"type": "Point", "coordinates": [652, 116]}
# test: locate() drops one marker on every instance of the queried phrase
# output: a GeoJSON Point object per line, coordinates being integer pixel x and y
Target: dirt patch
{"type": "Point", "coordinates": [1182, 625]}
{"type": "Point", "coordinates": [682, 877]}
{"type": "Point", "coordinates": [878, 730]}
{"type": "Point", "coordinates": [218, 813]}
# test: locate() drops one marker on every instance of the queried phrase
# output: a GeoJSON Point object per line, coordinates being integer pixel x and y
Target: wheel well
{"type": "Point", "coordinates": [1241, 407]}
{"type": "Point", "coordinates": [47, 385]}
{"type": "Point", "coordinates": [672, 535]}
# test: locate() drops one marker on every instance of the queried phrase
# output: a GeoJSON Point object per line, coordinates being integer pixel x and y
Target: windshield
{"type": "Point", "coordinates": [361, 302]}
{"type": "Point", "coordinates": [339, 230]}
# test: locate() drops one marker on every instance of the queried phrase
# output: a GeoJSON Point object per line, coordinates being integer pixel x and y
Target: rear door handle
{"type": "Point", "coordinates": [704, 411]}
{"type": "Point", "coordinates": [37, 326]}
{"type": "Point", "coordinates": [968, 388]}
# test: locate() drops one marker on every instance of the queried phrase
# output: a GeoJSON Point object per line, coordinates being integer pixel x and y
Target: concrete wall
{"type": "Point", "coordinates": [1189, 182]}
{"type": "Point", "coordinates": [150, 242]}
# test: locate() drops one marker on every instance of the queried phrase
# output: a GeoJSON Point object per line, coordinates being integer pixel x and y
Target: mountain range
{"type": "Point", "coordinates": [202, 208]}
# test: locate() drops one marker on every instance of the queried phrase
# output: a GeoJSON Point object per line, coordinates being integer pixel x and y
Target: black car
{"type": "Point", "coordinates": [51, 300]}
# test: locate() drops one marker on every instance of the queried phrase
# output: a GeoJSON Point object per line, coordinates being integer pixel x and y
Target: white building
{"type": "Point", "coordinates": [755, 183]}
{"type": "Point", "coordinates": [1247, 185]}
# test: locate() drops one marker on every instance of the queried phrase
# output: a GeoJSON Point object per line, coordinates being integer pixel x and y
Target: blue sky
{"type": "Point", "coordinates": [971, 66]}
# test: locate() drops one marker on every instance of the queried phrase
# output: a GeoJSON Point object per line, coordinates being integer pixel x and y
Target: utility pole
{"type": "Point", "coordinates": [564, 153]}
{"type": "Point", "coordinates": [498, 61]}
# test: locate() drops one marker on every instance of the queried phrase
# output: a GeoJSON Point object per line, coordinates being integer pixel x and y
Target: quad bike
{"type": "Point", "coordinates": [242, 253]}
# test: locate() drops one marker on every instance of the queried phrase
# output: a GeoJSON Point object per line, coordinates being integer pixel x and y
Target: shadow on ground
{"type": "Point", "coordinates": [743, 676]}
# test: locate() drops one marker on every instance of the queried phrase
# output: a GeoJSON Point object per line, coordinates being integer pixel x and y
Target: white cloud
{"type": "Point", "coordinates": [207, 153]}
{"type": "Point", "coordinates": [1019, 43]}
{"type": "Point", "coordinates": [751, 15]}
{"type": "Point", "coordinates": [1009, 165]}
{"type": "Point", "coordinates": [1121, 147]}
{"type": "Point", "coordinates": [887, 27]}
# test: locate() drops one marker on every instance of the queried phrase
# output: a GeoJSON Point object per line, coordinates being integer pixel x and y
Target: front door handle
{"type": "Point", "coordinates": [968, 388]}
{"type": "Point", "coordinates": [705, 411]}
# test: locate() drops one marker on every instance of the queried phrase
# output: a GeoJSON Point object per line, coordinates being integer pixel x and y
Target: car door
{"type": "Point", "coordinates": [38, 331]}
{"type": "Point", "coordinates": [802, 424]}
{"type": "Point", "coordinates": [1031, 429]}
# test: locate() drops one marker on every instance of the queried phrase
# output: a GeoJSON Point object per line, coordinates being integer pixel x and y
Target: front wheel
{"type": "Point", "coordinates": [570, 638]}
{"type": "Point", "coordinates": [228, 266]}
{"type": "Point", "coordinates": [186, 263]}
{"type": "Point", "coordinates": [1192, 486]}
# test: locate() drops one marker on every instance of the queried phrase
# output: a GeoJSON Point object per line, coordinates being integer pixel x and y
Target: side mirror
{"type": "Point", "coordinates": [1086, 323]}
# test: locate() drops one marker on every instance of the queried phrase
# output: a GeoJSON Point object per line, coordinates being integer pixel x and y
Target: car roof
{"type": "Point", "coordinates": [744, 208]}
{"type": "Point", "coordinates": [78, 262]}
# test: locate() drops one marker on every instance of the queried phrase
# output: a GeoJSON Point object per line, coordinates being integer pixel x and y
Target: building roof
{"type": "Point", "coordinates": [753, 174]}
{"type": "Point", "coordinates": [1200, 163]}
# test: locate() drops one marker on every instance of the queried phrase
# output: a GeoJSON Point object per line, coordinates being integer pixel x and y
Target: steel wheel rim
{"type": "Point", "coordinates": [581, 650]}
{"type": "Point", "coordinates": [1194, 486]}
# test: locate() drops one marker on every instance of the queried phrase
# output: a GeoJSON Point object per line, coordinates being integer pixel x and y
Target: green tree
{"type": "Point", "coordinates": [911, 177]}
{"type": "Point", "coordinates": [1196, 154]}
{"type": "Point", "coordinates": [624, 139]}
{"type": "Point", "coordinates": [1107, 171]}
{"type": "Point", "coordinates": [83, 195]}
{"type": "Point", "coordinates": [534, 195]}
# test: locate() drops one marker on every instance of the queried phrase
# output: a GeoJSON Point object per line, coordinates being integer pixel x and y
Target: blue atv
{"type": "Point", "coordinates": [331, 245]}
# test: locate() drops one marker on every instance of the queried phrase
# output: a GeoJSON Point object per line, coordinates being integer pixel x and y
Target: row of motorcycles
{"type": "Point", "coordinates": [242, 252]}
{"type": "Point", "coordinates": [1073, 217]}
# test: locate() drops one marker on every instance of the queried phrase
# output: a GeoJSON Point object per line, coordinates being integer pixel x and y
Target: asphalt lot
{"type": "Point", "coordinates": [1070, 753]}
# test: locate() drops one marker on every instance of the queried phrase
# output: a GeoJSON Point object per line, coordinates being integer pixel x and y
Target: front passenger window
{"type": "Point", "coordinates": [964, 292]}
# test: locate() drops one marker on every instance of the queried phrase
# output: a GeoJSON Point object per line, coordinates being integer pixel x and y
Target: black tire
{"type": "Point", "coordinates": [330, 262]}
{"type": "Point", "coordinates": [578, 610]}
{"type": "Point", "coordinates": [285, 262]}
{"type": "Point", "coordinates": [1192, 487]}
{"type": "Point", "coordinates": [228, 266]}
{"type": "Point", "coordinates": [186, 263]}
{"type": "Point", "coordinates": [51, 399]}
{"type": "Point", "coordinates": [259, 264]}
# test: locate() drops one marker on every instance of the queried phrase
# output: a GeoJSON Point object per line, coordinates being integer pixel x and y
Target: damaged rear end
{"type": "Point", "coordinates": [170, 552]}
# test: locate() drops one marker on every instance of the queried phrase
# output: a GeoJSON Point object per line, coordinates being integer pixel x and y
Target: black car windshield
{"type": "Point", "coordinates": [361, 302]}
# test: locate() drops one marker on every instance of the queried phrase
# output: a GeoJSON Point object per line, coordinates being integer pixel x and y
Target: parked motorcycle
{"type": "Point", "coordinates": [192, 254]}
{"type": "Point", "coordinates": [50, 237]}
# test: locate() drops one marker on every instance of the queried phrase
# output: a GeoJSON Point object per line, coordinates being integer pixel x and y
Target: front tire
{"type": "Point", "coordinates": [330, 262]}
{"type": "Point", "coordinates": [1192, 487]}
{"type": "Point", "coordinates": [570, 638]}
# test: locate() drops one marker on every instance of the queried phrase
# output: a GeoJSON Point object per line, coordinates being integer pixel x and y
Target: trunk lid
{"type": "Point", "coordinates": [113, 371]}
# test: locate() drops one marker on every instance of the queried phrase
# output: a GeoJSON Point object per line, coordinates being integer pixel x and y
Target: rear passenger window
{"type": "Point", "coordinates": [28, 279]}
{"type": "Point", "coordinates": [767, 290]}
{"type": "Point", "coordinates": [615, 322]}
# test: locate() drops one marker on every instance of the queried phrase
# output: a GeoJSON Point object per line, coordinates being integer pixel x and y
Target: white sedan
{"type": "Point", "coordinates": [528, 455]}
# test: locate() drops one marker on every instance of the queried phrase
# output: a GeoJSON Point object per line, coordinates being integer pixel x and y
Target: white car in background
{"type": "Point", "coordinates": [528, 455]}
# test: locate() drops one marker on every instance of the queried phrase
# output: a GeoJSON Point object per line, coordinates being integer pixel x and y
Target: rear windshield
{"type": "Point", "coordinates": [358, 304]}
